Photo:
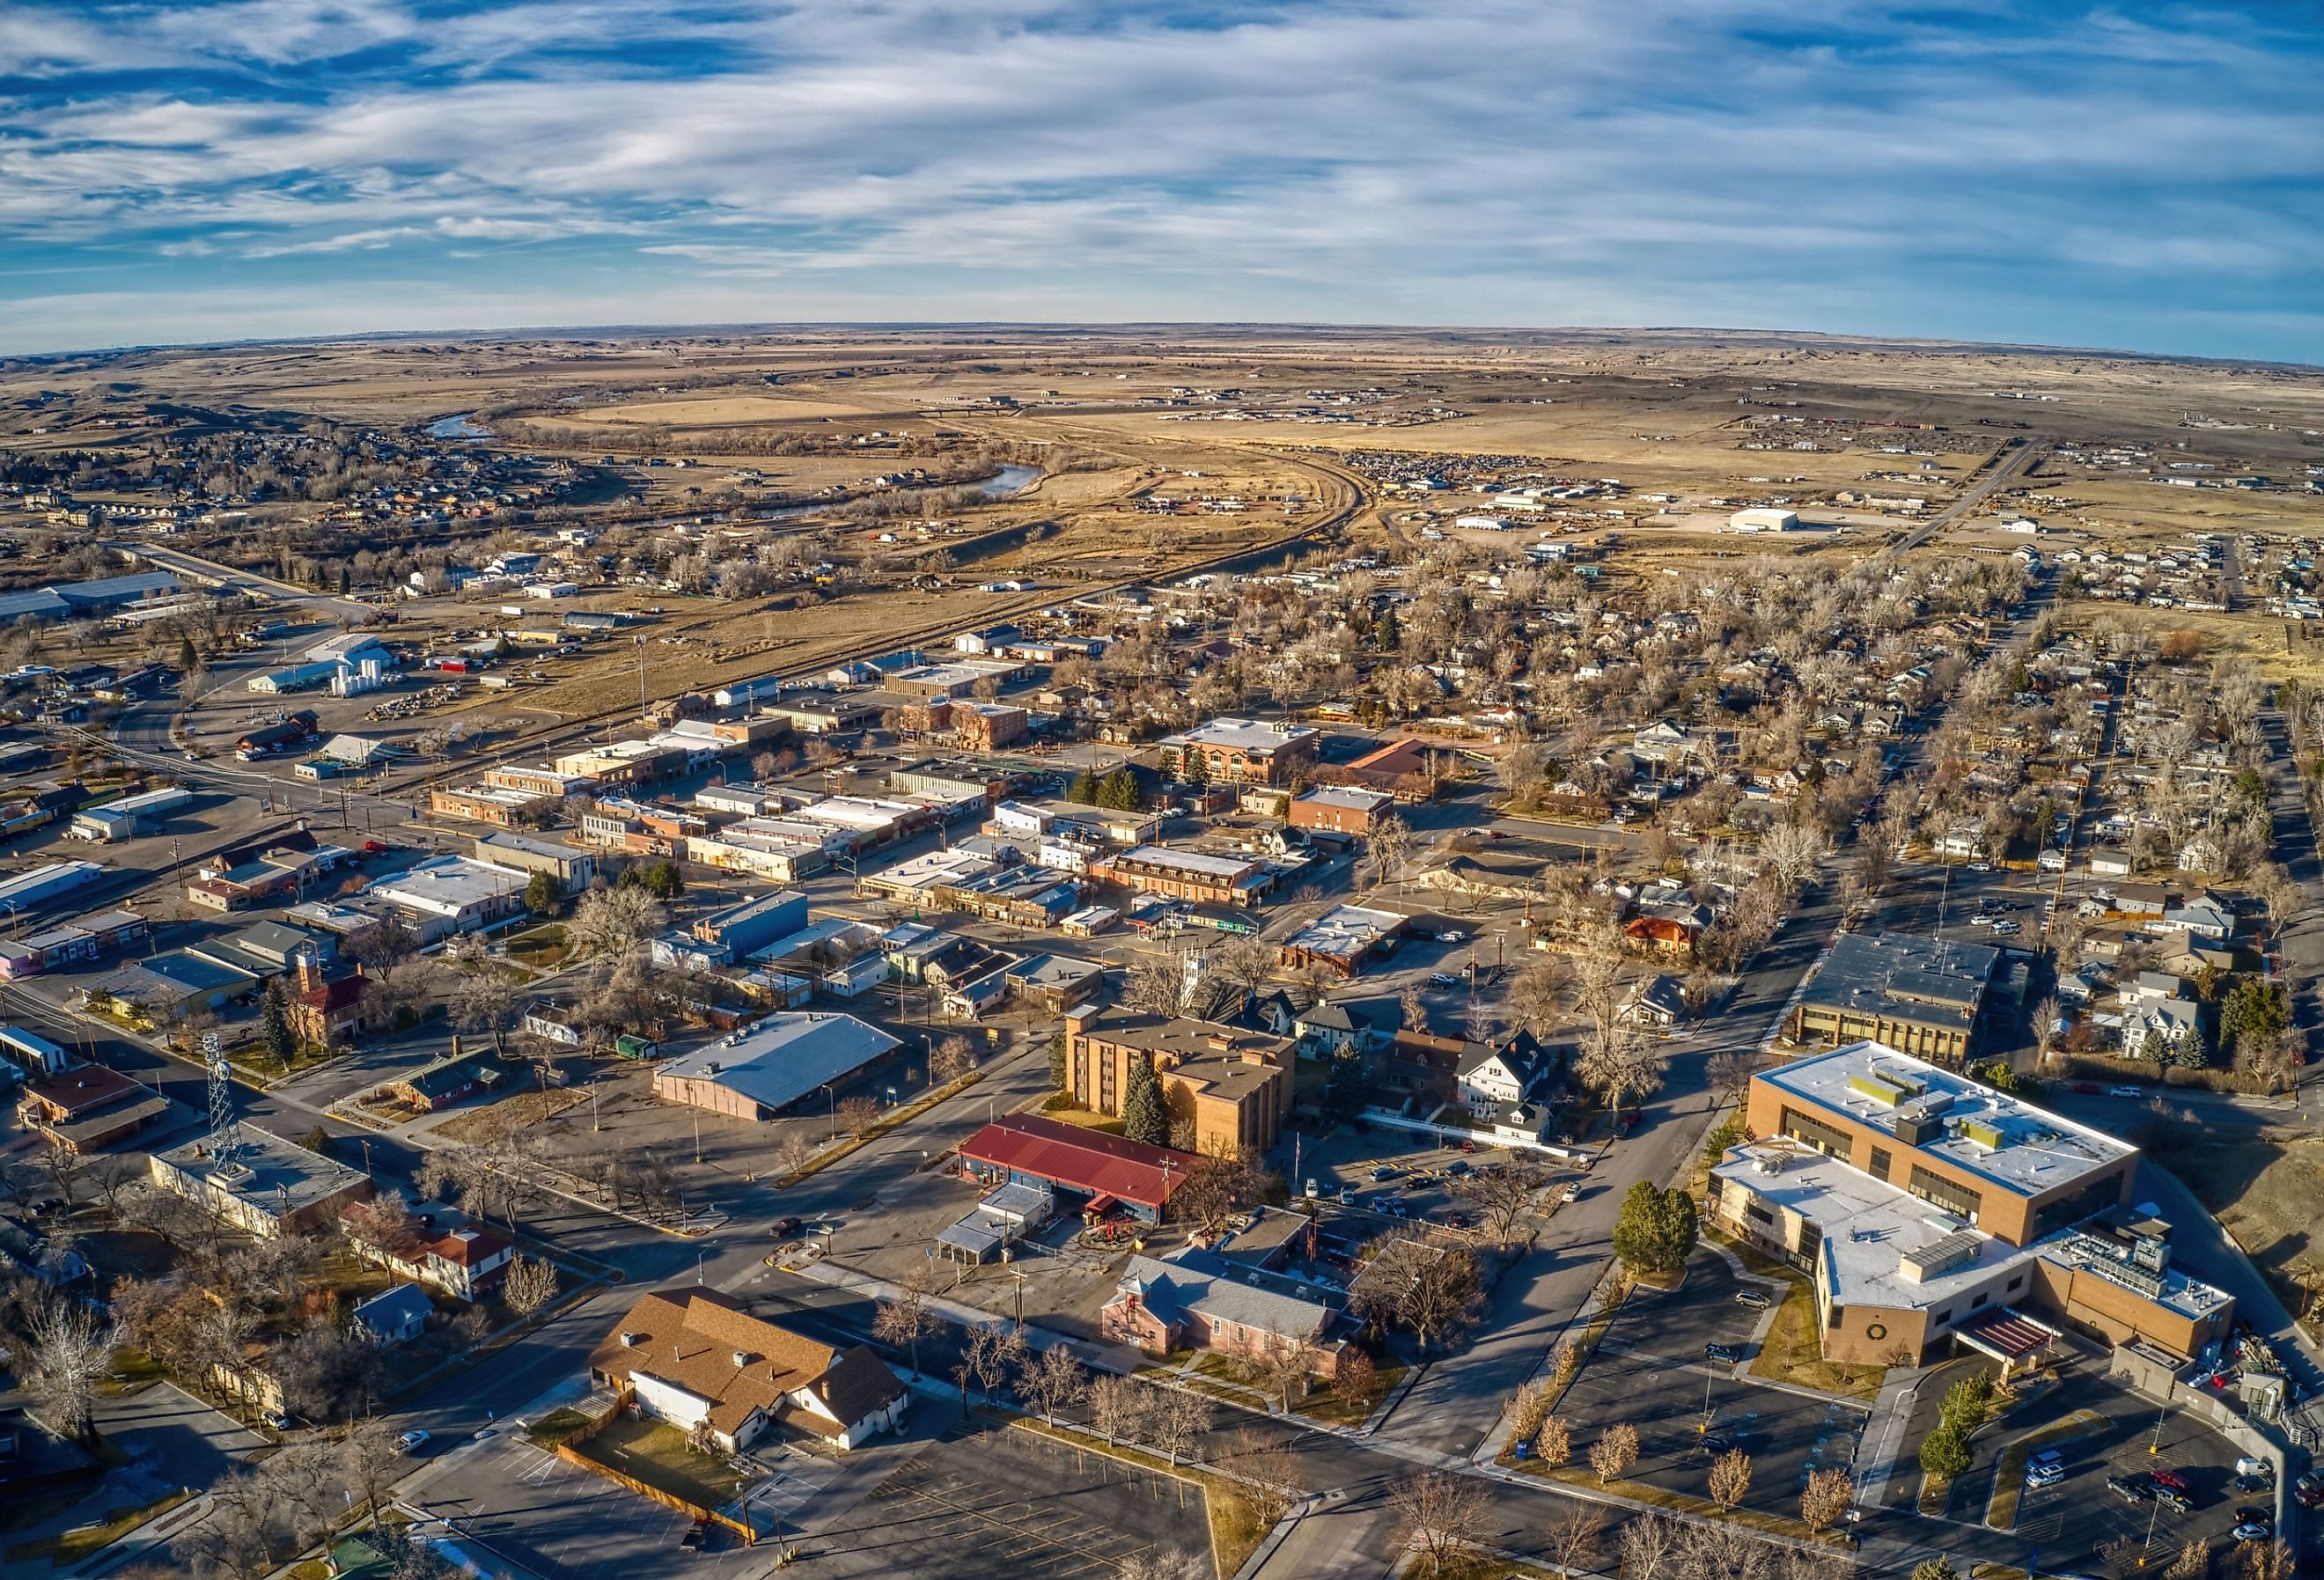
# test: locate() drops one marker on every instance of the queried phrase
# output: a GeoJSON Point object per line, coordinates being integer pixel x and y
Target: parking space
{"type": "Point", "coordinates": [992, 1501]}
{"type": "Point", "coordinates": [526, 1507]}
{"type": "Point", "coordinates": [1654, 1369]}
{"type": "Point", "coordinates": [1391, 1175]}
{"type": "Point", "coordinates": [2082, 1513]}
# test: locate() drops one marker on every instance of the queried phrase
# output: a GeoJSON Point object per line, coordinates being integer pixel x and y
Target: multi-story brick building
{"type": "Point", "coordinates": [1928, 1206]}
{"type": "Point", "coordinates": [1339, 808]}
{"type": "Point", "coordinates": [1228, 1089]}
{"type": "Point", "coordinates": [1244, 750]}
{"type": "Point", "coordinates": [1919, 995]}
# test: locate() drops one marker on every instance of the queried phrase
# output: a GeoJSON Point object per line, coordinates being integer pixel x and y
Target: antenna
{"type": "Point", "coordinates": [225, 1133]}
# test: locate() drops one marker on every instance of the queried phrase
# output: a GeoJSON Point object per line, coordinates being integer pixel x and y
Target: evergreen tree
{"type": "Point", "coordinates": [542, 894]}
{"type": "Point", "coordinates": [1655, 1229]}
{"type": "Point", "coordinates": [1057, 1071]}
{"type": "Point", "coordinates": [189, 661]}
{"type": "Point", "coordinates": [1145, 1116]}
{"type": "Point", "coordinates": [1387, 634]}
{"type": "Point", "coordinates": [1119, 792]}
{"type": "Point", "coordinates": [1194, 769]}
{"type": "Point", "coordinates": [662, 880]}
{"type": "Point", "coordinates": [275, 1026]}
{"type": "Point", "coordinates": [1083, 791]}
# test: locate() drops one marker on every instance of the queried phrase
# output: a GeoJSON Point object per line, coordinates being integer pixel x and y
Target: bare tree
{"type": "Point", "coordinates": [1441, 1515]}
{"type": "Point", "coordinates": [1155, 985]}
{"type": "Point", "coordinates": [1269, 1469]}
{"type": "Point", "coordinates": [1649, 1547]}
{"type": "Point", "coordinates": [1731, 1478]}
{"type": "Point", "coordinates": [1178, 1419]}
{"type": "Point", "coordinates": [951, 1058]}
{"type": "Point", "coordinates": [1825, 1498]}
{"type": "Point", "coordinates": [855, 1116]}
{"type": "Point", "coordinates": [70, 1345]}
{"type": "Point", "coordinates": [613, 921]}
{"type": "Point", "coordinates": [1116, 1406]}
{"type": "Point", "coordinates": [530, 1284]}
{"type": "Point", "coordinates": [904, 1317]}
{"type": "Point", "coordinates": [1576, 1537]}
{"type": "Point", "coordinates": [1615, 1451]}
{"type": "Point", "coordinates": [1621, 1064]}
{"type": "Point", "coordinates": [1503, 1193]}
{"type": "Point", "coordinates": [2193, 1562]}
{"type": "Point", "coordinates": [1052, 1380]}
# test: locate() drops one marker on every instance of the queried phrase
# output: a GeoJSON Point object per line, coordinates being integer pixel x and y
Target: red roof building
{"type": "Point", "coordinates": [1026, 1149]}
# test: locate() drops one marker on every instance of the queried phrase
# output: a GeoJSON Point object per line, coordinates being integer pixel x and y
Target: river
{"type": "Point", "coordinates": [1006, 483]}
{"type": "Point", "coordinates": [458, 425]}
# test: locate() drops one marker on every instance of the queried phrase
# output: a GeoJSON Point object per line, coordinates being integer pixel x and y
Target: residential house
{"type": "Point", "coordinates": [396, 1316]}
{"type": "Point", "coordinates": [695, 1359]}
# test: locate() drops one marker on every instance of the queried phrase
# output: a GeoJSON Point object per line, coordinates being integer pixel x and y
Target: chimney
{"type": "Point", "coordinates": [456, 1045]}
{"type": "Point", "coordinates": [742, 1359]}
{"type": "Point", "coordinates": [311, 975]}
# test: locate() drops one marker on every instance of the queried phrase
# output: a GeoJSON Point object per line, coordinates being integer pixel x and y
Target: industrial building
{"type": "Point", "coordinates": [758, 1072]}
{"type": "Point", "coordinates": [129, 817]}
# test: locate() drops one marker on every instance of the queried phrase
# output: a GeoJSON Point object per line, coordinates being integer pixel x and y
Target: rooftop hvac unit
{"type": "Point", "coordinates": [236, 1174]}
{"type": "Point", "coordinates": [742, 1359]}
{"type": "Point", "coordinates": [1767, 1163]}
{"type": "Point", "coordinates": [629, 1341]}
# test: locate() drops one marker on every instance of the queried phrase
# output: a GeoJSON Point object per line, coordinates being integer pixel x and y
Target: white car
{"type": "Point", "coordinates": [2133, 1092]}
{"type": "Point", "coordinates": [1569, 1195]}
{"type": "Point", "coordinates": [1449, 938]}
{"type": "Point", "coordinates": [413, 1441]}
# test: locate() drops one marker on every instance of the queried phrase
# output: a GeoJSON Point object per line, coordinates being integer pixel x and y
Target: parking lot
{"type": "Point", "coordinates": [525, 1506]}
{"type": "Point", "coordinates": [2080, 1514]}
{"type": "Point", "coordinates": [1651, 1370]}
{"type": "Point", "coordinates": [991, 1501]}
{"type": "Point", "coordinates": [1423, 1182]}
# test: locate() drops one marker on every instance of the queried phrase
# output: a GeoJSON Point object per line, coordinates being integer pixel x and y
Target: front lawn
{"type": "Point", "coordinates": [1793, 1352]}
{"type": "Point", "coordinates": [655, 1452]}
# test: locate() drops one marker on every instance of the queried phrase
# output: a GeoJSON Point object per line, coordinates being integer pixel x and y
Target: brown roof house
{"type": "Point", "coordinates": [694, 1359]}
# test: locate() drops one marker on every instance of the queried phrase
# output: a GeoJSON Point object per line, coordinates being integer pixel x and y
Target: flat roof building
{"type": "Point", "coordinates": [1927, 1205]}
{"type": "Point", "coordinates": [1342, 938]}
{"type": "Point", "coordinates": [1244, 750]}
{"type": "Point", "coordinates": [1919, 995]}
{"type": "Point", "coordinates": [1187, 874]}
{"type": "Point", "coordinates": [1227, 1089]}
{"type": "Point", "coordinates": [260, 1182]}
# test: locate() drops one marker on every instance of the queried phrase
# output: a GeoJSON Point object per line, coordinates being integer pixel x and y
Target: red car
{"type": "Point", "coordinates": [2086, 1088]}
{"type": "Point", "coordinates": [1468, 1146]}
{"type": "Point", "coordinates": [2168, 1478]}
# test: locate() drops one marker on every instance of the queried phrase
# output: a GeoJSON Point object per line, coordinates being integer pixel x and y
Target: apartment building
{"type": "Point", "coordinates": [1228, 1089]}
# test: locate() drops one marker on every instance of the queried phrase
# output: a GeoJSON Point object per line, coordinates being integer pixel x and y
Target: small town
{"type": "Point", "coordinates": [1048, 791]}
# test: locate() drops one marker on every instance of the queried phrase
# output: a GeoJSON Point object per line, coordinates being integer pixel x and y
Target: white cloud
{"type": "Point", "coordinates": [1645, 154]}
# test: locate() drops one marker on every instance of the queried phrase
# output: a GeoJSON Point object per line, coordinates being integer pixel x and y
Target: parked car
{"type": "Point", "coordinates": [2248, 1484]}
{"type": "Point", "coordinates": [2133, 1092]}
{"type": "Point", "coordinates": [2168, 1478]}
{"type": "Point", "coordinates": [2002, 930]}
{"type": "Point", "coordinates": [2130, 1488]}
{"type": "Point", "coordinates": [1723, 1354]}
{"type": "Point", "coordinates": [1312, 1191]}
{"type": "Point", "coordinates": [1571, 1194]}
{"type": "Point", "coordinates": [1442, 979]}
{"type": "Point", "coordinates": [1449, 938]}
{"type": "Point", "coordinates": [2252, 1514]}
{"type": "Point", "coordinates": [2251, 1533]}
{"type": "Point", "coordinates": [1715, 1445]}
{"type": "Point", "coordinates": [1753, 1298]}
{"type": "Point", "coordinates": [2176, 1502]}
{"type": "Point", "coordinates": [1456, 1168]}
{"type": "Point", "coordinates": [2044, 1475]}
{"type": "Point", "coordinates": [1456, 1219]}
{"type": "Point", "coordinates": [413, 1441]}
{"type": "Point", "coordinates": [1383, 1172]}
{"type": "Point", "coordinates": [789, 1228]}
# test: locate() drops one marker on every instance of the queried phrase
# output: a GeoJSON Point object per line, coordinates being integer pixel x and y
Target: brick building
{"type": "Point", "coordinates": [1227, 1089]}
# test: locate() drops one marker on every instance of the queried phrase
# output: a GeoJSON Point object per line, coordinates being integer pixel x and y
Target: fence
{"type": "Point", "coordinates": [567, 1452]}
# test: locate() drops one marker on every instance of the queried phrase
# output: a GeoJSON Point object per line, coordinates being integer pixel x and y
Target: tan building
{"type": "Point", "coordinates": [1930, 1208]}
{"type": "Point", "coordinates": [260, 1183]}
{"type": "Point", "coordinates": [1244, 750]}
{"type": "Point", "coordinates": [988, 726]}
{"type": "Point", "coordinates": [1919, 995]}
{"type": "Point", "coordinates": [1228, 1089]}
{"type": "Point", "coordinates": [502, 808]}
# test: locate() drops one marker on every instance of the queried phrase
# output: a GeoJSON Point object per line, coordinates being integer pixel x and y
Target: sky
{"type": "Point", "coordinates": [2145, 177]}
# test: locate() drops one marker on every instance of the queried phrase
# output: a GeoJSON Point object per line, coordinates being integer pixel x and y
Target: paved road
{"type": "Point", "coordinates": [228, 579]}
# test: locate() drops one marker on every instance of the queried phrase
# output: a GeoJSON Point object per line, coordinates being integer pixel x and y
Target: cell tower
{"type": "Point", "coordinates": [225, 1134]}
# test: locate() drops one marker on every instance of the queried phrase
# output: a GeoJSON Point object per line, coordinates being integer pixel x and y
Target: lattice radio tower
{"type": "Point", "coordinates": [225, 1133]}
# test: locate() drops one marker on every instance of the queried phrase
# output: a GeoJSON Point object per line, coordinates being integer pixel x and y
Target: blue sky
{"type": "Point", "coordinates": [2148, 177]}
